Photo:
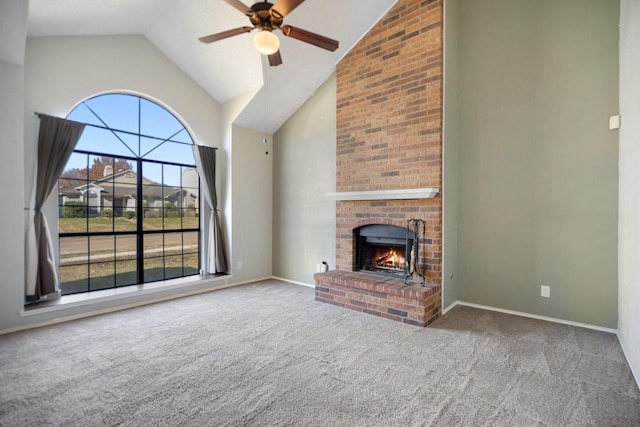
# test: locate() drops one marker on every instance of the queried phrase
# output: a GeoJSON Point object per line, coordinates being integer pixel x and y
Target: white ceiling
{"type": "Point", "coordinates": [227, 68]}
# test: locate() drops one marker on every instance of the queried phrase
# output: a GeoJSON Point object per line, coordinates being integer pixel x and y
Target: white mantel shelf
{"type": "Point", "coordinates": [403, 194]}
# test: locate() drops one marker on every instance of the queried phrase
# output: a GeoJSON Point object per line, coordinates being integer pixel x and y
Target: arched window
{"type": "Point", "coordinates": [129, 197]}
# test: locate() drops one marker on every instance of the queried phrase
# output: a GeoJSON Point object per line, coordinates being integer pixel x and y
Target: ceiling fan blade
{"type": "Point", "coordinates": [309, 37]}
{"type": "Point", "coordinates": [275, 59]}
{"type": "Point", "coordinates": [223, 35]}
{"type": "Point", "coordinates": [240, 6]}
{"type": "Point", "coordinates": [284, 7]}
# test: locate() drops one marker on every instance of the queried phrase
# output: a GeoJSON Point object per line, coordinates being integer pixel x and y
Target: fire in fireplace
{"type": "Point", "coordinates": [388, 259]}
{"type": "Point", "coordinates": [382, 249]}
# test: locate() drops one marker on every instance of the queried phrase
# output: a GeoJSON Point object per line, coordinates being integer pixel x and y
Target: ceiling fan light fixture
{"type": "Point", "coordinates": [266, 42]}
{"type": "Point", "coordinates": [265, 17]}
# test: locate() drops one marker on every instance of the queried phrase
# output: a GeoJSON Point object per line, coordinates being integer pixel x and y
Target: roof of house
{"type": "Point", "coordinates": [123, 184]}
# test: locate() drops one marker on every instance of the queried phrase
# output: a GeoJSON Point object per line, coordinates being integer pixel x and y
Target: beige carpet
{"type": "Point", "coordinates": [268, 354]}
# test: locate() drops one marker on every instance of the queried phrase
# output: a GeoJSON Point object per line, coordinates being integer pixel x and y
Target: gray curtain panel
{"type": "Point", "coordinates": [206, 163]}
{"type": "Point", "coordinates": [56, 141]}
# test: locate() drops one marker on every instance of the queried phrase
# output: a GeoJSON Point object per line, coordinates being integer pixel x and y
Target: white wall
{"type": "Point", "coordinates": [59, 72]}
{"type": "Point", "coordinates": [13, 30]}
{"type": "Point", "coordinates": [229, 112]}
{"type": "Point", "coordinates": [62, 71]}
{"type": "Point", "coordinates": [629, 193]}
{"type": "Point", "coordinates": [246, 194]}
{"type": "Point", "coordinates": [12, 215]}
{"type": "Point", "coordinates": [251, 170]}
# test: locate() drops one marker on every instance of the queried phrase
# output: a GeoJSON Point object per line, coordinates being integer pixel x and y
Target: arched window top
{"type": "Point", "coordinates": [132, 126]}
{"type": "Point", "coordinates": [129, 197]}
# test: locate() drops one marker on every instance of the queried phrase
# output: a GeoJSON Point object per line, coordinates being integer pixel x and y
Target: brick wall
{"type": "Point", "coordinates": [389, 127]}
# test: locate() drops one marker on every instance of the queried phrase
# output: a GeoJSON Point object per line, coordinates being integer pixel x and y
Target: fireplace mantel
{"type": "Point", "coordinates": [402, 194]}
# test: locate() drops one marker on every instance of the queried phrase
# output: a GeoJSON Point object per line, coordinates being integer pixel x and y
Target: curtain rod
{"type": "Point", "coordinates": [39, 114]}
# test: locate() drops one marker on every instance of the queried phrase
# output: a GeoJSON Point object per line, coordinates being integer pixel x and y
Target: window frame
{"type": "Point", "coordinates": [140, 232]}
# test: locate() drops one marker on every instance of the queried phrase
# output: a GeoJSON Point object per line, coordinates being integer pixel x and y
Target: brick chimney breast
{"type": "Point", "coordinates": [389, 130]}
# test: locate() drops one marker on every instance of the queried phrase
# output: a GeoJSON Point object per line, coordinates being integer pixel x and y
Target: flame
{"type": "Point", "coordinates": [390, 259]}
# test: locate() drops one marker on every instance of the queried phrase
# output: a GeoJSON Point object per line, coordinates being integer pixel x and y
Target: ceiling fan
{"type": "Point", "coordinates": [267, 17]}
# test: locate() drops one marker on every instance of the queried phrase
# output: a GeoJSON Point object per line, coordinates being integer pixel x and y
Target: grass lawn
{"type": "Point", "coordinates": [104, 275]}
{"type": "Point", "coordinates": [171, 223]}
{"type": "Point", "coordinates": [112, 259]}
{"type": "Point", "coordinates": [99, 224]}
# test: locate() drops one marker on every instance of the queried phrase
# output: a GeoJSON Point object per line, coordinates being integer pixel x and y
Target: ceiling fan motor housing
{"type": "Point", "coordinates": [263, 17]}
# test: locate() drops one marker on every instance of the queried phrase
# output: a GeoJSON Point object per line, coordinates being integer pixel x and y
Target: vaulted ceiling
{"type": "Point", "coordinates": [231, 67]}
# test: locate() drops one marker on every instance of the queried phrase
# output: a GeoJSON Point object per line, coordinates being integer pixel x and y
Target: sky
{"type": "Point", "coordinates": [129, 113]}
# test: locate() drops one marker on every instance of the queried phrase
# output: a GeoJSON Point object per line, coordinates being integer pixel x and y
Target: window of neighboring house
{"type": "Point", "coordinates": [129, 198]}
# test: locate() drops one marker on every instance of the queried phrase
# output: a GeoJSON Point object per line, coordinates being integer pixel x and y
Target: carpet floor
{"type": "Point", "coordinates": [267, 354]}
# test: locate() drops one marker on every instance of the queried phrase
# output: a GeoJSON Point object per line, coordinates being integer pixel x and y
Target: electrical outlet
{"type": "Point", "coordinates": [239, 265]}
{"type": "Point", "coordinates": [614, 122]}
{"type": "Point", "coordinates": [545, 291]}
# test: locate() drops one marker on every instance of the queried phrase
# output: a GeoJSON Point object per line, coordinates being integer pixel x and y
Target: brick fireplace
{"type": "Point", "coordinates": [389, 142]}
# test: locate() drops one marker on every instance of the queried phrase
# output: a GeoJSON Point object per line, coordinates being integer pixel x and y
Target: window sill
{"type": "Point", "coordinates": [189, 285]}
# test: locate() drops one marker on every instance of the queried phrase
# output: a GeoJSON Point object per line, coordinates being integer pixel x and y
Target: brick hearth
{"type": "Point", "coordinates": [378, 295]}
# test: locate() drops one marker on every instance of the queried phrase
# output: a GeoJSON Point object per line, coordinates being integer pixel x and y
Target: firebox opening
{"type": "Point", "coordinates": [382, 249]}
{"type": "Point", "coordinates": [389, 258]}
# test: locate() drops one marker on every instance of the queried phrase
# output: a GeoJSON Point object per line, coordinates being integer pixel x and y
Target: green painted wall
{"type": "Point", "coordinates": [304, 171]}
{"type": "Point", "coordinates": [537, 189]}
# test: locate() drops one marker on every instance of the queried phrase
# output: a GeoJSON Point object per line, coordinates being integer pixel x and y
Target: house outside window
{"type": "Point", "coordinates": [129, 198]}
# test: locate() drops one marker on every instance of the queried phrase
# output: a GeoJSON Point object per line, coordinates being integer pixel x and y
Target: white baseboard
{"type": "Point", "coordinates": [121, 294]}
{"type": "Point", "coordinates": [127, 292]}
{"type": "Point", "coordinates": [533, 316]}
{"type": "Point", "coordinates": [219, 284]}
{"type": "Point", "coordinates": [453, 304]}
{"type": "Point", "coordinates": [634, 371]}
{"type": "Point", "coordinates": [246, 282]}
{"type": "Point", "coordinates": [293, 281]}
